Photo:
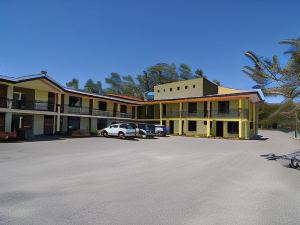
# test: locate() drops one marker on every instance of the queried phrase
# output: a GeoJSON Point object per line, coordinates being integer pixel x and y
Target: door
{"type": "Point", "coordinates": [51, 101]}
{"type": "Point", "coordinates": [3, 96]}
{"type": "Point", "coordinates": [48, 125]}
{"type": "Point", "coordinates": [219, 129]}
{"type": "Point", "coordinates": [171, 126]}
{"type": "Point", "coordinates": [73, 124]}
{"type": "Point", "coordinates": [91, 106]}
{"type": "Point", "coordinates": [115, 109]}
{"type": "Point", "coordinates": [113, 130]}
{"type": "Point", "coordinates": [2, 122]}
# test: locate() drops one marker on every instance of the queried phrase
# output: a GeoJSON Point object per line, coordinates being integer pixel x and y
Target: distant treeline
{"type": "Point", "coordinates": [142, 83]}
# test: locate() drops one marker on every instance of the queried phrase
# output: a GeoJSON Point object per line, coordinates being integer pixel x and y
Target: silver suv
{"type": "Point", "coordinates": [121, 130]}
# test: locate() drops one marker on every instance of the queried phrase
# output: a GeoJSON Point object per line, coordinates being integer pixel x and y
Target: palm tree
{"type": "Point", "coordinates": [275, 80]}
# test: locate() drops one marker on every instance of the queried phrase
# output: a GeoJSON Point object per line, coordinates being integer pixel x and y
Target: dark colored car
{"type": "Point", "coordinates": [161, 130]}
{"type": "Point", "coordinates": [146, 130]}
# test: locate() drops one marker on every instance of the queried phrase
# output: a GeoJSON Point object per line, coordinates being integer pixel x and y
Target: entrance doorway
{"type": "Point", "coordinates": [73, 124]}
{"type": "Point", "coordinates": [48, 125]}
{"type": "Point", "coordinates": [23, 125]}
{"type": "Point", "coordinates": [219, 129]}
{"type": "Point", "coordinates": [171, 126]}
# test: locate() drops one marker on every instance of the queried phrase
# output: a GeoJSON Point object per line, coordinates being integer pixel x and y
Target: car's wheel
{"type": "Point", "coordinates": [121, 135]}
{"type": "Point", "coordinates": [294, 164]}
{"type": "Point", "coordinates": [105, 134]}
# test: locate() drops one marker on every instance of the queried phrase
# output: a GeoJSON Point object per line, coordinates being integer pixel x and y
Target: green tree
{"type": "Point", "coordinates": [162, 73]}
{"type": "Point", "coordinates": [74, 83]}
{"type": "Point", "coordinates": [199, 73]}
{"type": "Point", "coordinates": [92, 87]}
{"type": "Point", "coordinates": [115, 83]}
{"type": "Point", "coordinates": [130, 88]}
{"type": "Point", "coordinates": [185, 72]}
{"type": "Point", "coordinates": [273, 79]}
{"type": "Point", "coordinates": [217, 82]}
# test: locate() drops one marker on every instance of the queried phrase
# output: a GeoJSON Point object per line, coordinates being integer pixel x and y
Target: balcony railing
{"type": "Point", "coordinates": [27, 105]}
{"type": "Point", "coordinates": [123, 115]}
{"type": "Point", "coordinates": [97, 112]}
{"type": "Point", "coordinates": [232, 113]}
{"type": "Point", "coordinates": [77, 110]}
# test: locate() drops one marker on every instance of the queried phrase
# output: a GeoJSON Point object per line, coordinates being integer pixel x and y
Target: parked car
{"type": "Point", "coordinates": [161, 130]}
{"type": "Point", "coordinates": [121, 130]}
{"type": "Point", "coordinates": [145, 130]}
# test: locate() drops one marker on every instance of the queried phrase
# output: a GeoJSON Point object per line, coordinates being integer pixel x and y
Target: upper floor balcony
{"type": "Point", "coordinates": [214, 114]}
{"type": "Point", "coordinates": [27, 105]}
{"type": "Point", "coordinates": [95, 112]}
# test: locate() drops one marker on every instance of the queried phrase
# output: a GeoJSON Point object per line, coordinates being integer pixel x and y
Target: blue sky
{"type": "Point", "coordinates": [90, 39]}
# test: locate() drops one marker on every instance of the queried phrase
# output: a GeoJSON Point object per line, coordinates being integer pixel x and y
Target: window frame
{"type": "Point", "coordinates": [233, 127]}
{"type": "Point", "coordinates": [192, 125]}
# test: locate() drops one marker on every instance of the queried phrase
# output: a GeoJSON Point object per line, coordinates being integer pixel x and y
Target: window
{"type": "Point", "coordinates": [233, 127]}
{"type": "Point", "coordinates": [164, 109]}
{"type": "Point", "coordinates": [102, 106]}
{"type": "Point", "coordinates": [164, 90]}
{"type": "Point", "coordinates": [251, 125]}
{"type": "Point", "coordinates": [205, 109]}
{"type": "Point", "coordinates": [186, 87]}
{"type": "Point", "coordinates": [2, 122]}
{"type": "Point", "coordinates": [74, 101]}
{"type": "Point", "coordinates": [223, 107]}
{"type": "Point", "coordinates": [114, 126]}
{"type": "Point", "coordinates": [205, 123]}
{"type": "Point", "coordinates": [123, 109]}
{"type": "Point", "coordinates": [157, 91]}
{"type": "Point", "coordinates": [178, 88]}
{"type": "Point", "coordinates": [170, 89]}
{"type": "Point", "coordinates": [192, 125]}
{"type": "Point", "coordinates": [194, 86]}
{"type": "Point", "coordinates": [124, 125]}
{"type": "Point", "coordinates": [192, 107]}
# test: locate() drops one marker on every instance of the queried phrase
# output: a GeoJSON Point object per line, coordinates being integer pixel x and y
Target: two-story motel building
{"type": "Point", "coordinates": [38, 105]}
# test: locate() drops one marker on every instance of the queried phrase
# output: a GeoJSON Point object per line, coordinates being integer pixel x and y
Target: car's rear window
{"type": "Point", "coordinates": [125, 126]}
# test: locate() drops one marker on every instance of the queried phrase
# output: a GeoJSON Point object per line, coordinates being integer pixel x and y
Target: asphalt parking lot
{"type": "Point", "coordinates": [169, 181]}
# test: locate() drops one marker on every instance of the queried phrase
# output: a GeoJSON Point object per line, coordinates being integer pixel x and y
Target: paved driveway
{"type": "Point", "coordinates": [175, 180]}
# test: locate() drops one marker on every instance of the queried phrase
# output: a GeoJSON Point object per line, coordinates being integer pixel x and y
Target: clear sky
{"type": "Point", "coordinates": [90, 39]}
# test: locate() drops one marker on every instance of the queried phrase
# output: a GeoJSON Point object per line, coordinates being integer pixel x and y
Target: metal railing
{"type": "Point", "coordinates": [27, 105]}
{"type": "Point", "coordinates": [232, 113]}
{"type": "Point", "coordinates": [123, 115]}
{"type": "Point", "coordinates": [97, 112]}
{"type": "Point", "coordinates": [77, 110]}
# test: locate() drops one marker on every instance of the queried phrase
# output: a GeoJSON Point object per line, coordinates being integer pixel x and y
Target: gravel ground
{"type": "Point", "coordinates": [172, 180]}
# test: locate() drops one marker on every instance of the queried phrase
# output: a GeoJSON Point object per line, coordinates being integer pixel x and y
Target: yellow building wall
{"type": "Point", "coordinates": [163, 91]}
{"type": "Point", "coordinates": [41, 95]}
{"type": "Point", "coordinates": [85, 102]}
{"type": "Point", "coordinates": [225, 90]}
{"type": "Point", "coordinates": [38, 124]}
{"type": "Point", "coordinates": [84, 123]}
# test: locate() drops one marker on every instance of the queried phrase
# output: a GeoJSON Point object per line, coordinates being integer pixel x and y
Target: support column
{"type": "Point", "coordinates": [208, 119]}
{"type": "Point", "coordinates": [160, 113]}
{"type": "Point", "coordinates": [180, 119]}
{"type": "Point", "coordinates": [136, 111]}
{"type": "Point", "coordinates": [58, 113]}
{"type": "Point", "coordinates": [8, 120]}
{"type": "Point", "coordinates": [10, 93]}
{"type": "Point", "coordinates": [240, 118]}
{"type": "Point", "coordinates": [254, 118]}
